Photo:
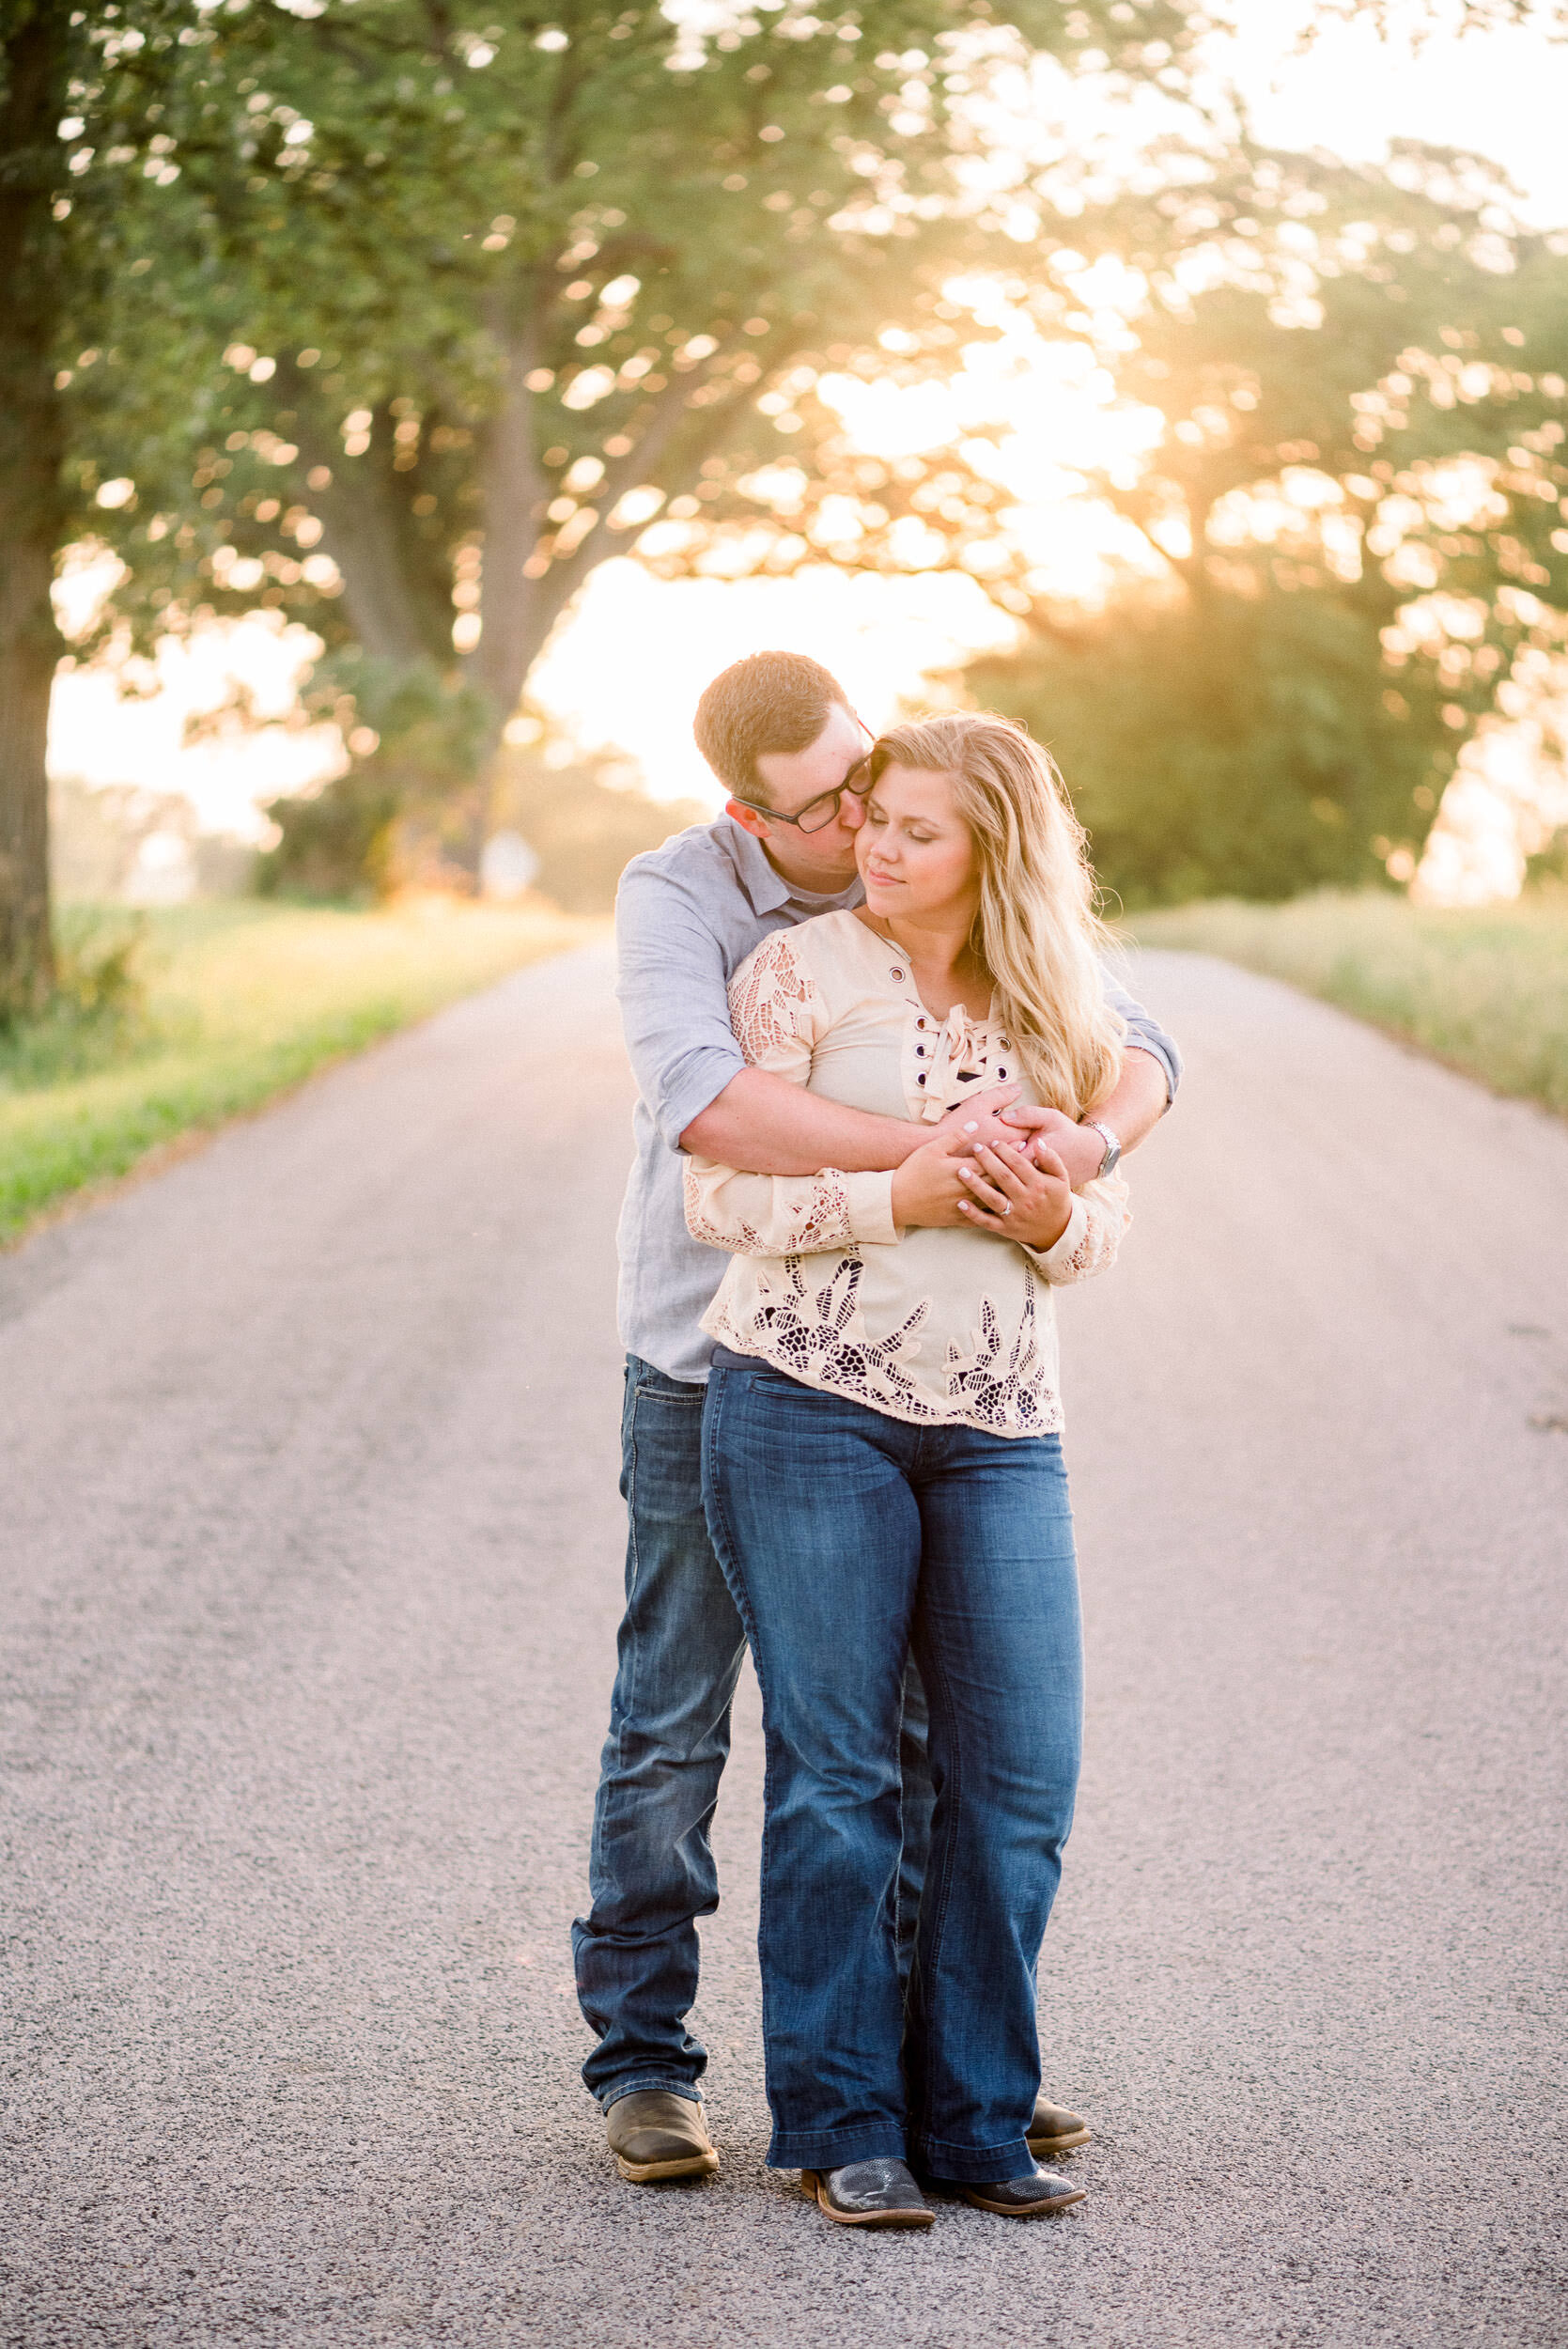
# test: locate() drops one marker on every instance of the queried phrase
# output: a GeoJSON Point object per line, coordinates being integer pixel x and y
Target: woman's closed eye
{"type": "Point", "coordinates": [918, 835]}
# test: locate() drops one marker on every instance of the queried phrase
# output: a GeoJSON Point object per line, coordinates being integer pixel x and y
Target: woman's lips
{"type": "Point", "coordinates": [883, 880]}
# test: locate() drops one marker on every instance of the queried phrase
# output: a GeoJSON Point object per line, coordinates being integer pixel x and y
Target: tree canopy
{"type": "Point", "coordinates": [1353, 515]}
{"type": "Point", "coordinates": [462, 308]}
{"type": "Point", "coordinates": [397, 317]}
{"type": "Point", "coordinates": [74, 82]}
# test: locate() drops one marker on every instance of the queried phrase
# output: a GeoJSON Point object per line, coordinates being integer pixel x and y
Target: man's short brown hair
{"type": "Point", "coordinates": [769, 702]}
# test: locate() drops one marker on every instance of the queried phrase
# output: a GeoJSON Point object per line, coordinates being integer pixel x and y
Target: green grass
{"type": "Point", "coordinates": [1485, 989]}
{"type": "Point", "coordinates": [237, 1002]}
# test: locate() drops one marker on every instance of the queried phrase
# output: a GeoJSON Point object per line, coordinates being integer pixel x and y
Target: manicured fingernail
{"type": "Point", "coordinates": [971, 1128]}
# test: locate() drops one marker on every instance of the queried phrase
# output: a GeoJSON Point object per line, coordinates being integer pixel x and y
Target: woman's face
{"type": "Point", "coordinates": [914, 851]}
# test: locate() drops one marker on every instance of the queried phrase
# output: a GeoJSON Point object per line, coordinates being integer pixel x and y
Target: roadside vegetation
{"type": "Point", "coordinates": [1485, 990]}
{"type": "Point", "coordinates": [178, 1018]}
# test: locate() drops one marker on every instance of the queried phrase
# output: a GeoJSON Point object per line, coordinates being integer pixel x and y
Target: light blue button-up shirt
{"type": "Point", "coordinates": [686, 916]}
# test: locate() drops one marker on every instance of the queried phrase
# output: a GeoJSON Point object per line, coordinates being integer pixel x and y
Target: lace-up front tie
{"type": "Point", "coordinates": [953, 1057]}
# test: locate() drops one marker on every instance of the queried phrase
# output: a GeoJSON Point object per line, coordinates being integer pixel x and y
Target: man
{"type": "Point", "coordinates": [780, 735]}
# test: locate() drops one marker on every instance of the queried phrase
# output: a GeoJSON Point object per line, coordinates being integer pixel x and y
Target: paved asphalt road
{"type": "Point", "coordinates": [312, 1567]}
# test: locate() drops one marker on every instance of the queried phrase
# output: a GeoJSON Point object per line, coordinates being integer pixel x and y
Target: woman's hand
{"type": "Point", "coordinates": [927, 1189]}
{"type": "Point", "coordinates": [1018, 1196]}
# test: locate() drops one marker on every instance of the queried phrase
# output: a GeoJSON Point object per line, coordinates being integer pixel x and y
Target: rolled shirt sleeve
{"type": "Point", "coordinates": [673, 995]}
{"type": "Point", "coordinates": [1145, 1034]}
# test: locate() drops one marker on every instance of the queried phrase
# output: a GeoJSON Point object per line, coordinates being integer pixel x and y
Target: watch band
{"type": "Point", "coordinates": [1112, 1146]}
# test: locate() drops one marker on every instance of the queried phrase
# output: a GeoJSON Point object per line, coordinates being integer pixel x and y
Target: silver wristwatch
{"type": "Point", "coordinates": [1112, 1146]}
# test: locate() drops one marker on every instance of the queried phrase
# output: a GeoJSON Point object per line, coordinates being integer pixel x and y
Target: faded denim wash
{"type": "Point", "coordinates": [651, 1870]}
{"type": "Point", "coordinates": [846, 1536]}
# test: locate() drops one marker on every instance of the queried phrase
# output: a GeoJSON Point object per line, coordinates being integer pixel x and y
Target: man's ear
{"type": "Point", "coordinates": [748, 819]}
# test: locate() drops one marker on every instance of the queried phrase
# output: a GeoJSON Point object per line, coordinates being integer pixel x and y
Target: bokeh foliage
{"type": "Point", "coordinates": [397, 322]}
{"type": "Point", "coordinates": [1353, 515]}
{"type": "Point", "coordinates": [459, 307]}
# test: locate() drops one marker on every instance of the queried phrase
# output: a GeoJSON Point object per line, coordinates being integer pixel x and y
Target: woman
{"type": "Point", "coordinates": [883, 1467]}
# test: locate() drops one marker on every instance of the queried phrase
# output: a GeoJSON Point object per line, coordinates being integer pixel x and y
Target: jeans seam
{"type": "Point", "coordinates": [815, 2148]}
{"type": "Point", "coordinates": [727, 1552]}
{"type": "Point", "coordinates": [629, 1709]}
{"type": "Point", "coordinates": [942, 1891]}
{"type": "Point", "coordinates": [972, 2153]}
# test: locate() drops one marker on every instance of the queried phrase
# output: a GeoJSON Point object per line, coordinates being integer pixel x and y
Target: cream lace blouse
{"type": "Point", "coordinates": [940, 1328]}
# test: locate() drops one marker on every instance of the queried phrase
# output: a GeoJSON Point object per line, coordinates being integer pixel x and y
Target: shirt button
{"type": "Point", "coordinates": [920, 1079]}
{"type": "Point", "coordinates": [895, 972]}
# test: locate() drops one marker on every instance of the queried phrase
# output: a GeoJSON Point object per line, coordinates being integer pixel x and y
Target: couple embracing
{"type": "Point", "coordinates": [883, 1072]}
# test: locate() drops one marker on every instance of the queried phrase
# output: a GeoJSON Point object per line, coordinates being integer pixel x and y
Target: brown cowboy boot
{"type": "Point", "coordinates": [656, 2134]}
{"type": "Point", "coordinates": [1053, 2129]}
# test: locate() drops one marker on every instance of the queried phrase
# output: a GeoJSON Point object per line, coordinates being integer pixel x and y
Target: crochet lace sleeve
{"type": "Point", "coordinates": [776, 1008]}
{"type": "Point", "coordinates": [786, 1215]}
{"type": "Point", "coordinates": [777, 1011]}
{"type": "Point", "coordinates": [1100, 1216]}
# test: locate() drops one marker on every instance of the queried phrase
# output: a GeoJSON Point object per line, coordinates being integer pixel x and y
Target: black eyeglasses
{"type": "Point", "coordinates": [819, 812]}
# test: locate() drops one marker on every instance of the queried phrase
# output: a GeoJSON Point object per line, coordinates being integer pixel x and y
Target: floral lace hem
{"type": "Point", "coordinates": [804, 1329]}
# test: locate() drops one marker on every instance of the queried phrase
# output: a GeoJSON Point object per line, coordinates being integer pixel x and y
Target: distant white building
{"type": "Point", "coordinates": [507, 866]}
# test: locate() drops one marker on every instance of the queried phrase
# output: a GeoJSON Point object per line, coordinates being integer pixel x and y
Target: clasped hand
{"type": "Point", "coordinates": [958, 1180]}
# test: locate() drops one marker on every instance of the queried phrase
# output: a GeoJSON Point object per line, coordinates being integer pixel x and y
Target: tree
{"type": "Point", "coordinates": [73, 84]}
{"type": "Point", "coordinates": [29, 518]}
{"type": "Point", "coordinates": [1352, 525]}
{"type": "Point", "coordinates": [463, 306]}
{"type": "Point", "coordinates": [397, 322]}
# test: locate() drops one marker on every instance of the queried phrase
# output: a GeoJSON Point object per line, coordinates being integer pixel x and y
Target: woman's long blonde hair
{"type": "Point", "coordinates": [1036, 930]}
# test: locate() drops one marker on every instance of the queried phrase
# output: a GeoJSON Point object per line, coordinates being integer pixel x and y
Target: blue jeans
{"type": "Point", "coordinates": [846, 1537]}
{"type": "Point", "coordinates": [651, 1872]}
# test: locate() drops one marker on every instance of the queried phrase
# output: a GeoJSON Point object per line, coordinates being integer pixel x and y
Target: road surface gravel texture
{"type": "Point", "coordinates": [312, 1556]}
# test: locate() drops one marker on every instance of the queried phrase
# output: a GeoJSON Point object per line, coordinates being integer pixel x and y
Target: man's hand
{"type": "Point", "coordinates": [980, 1119]}
{"type": "Point", "coordinates": [1079, 1149]}
{"type": "Point", "coordinates": [1025, 1199]}
{"type": "Point", "coordinates": [1132, 1109]}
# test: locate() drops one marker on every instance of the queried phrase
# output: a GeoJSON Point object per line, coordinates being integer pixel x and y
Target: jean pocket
{"type": "Point", "coordinates": [681, 1397]}
{"type": "Point", "coordinates": [771, 1381]}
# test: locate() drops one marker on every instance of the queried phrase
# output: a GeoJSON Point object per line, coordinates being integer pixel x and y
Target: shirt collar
{"type": "Point", "coordinates": [763, 884]}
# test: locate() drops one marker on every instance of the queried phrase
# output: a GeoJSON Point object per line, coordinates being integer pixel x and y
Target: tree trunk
{"type": "Point", "coordinates": [359, 531]}
{"type": "Point", "coordinates": [29, 648]}
{"type": "Point", "coordinates": [531, 571]}
{"type": "Point", "coordinates": [32, 513]}
{"type": "Point", "coordinates": [513, 487]}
